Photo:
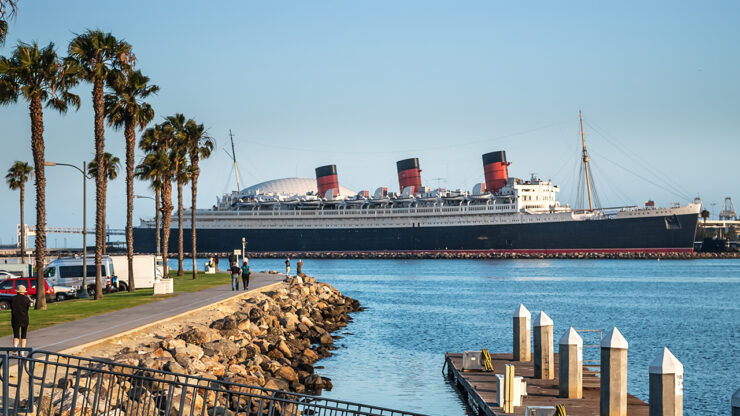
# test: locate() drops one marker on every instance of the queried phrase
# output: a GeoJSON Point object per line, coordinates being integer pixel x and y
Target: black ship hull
{"type": "Point", "coordinates": [641, 234]}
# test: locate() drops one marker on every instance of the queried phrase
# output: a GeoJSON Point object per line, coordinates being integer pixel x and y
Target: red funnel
{"type": "Point", "coordinates": [409, 174]}
{"type": "Point", "coordinates": [496, 169]}
{"type": "Point", "coordinates": [326, 178]}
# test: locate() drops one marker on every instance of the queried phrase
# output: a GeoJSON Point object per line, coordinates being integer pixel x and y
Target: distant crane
{"type": "Point", "coordinates": [728, 211]}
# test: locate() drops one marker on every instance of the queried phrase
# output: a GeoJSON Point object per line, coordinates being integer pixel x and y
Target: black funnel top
{"type": "Point", "coordinates": [412, 163]}
{"type": "Point", "coordinates": [326, 171]}
{"type": "Point", "coordinates": [494, 157]}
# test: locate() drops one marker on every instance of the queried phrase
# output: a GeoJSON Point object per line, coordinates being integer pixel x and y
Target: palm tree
{"type": "Point", "coordinates": [146, 172]}
{"type": "Point", "coordinates": [181, 176]}
{"type": "Point", "coordinates": [40, 77]}
{"type": "Point", "coordinates": [95, 55]}
{"type": "Point", "coordinates": [199, 146]}
{"type": "Point", "coordinates": [17, 176]}
{"type": "Point", "coordinates": [125, 109]}
{"type": "Point", "coordinates": [3, 31]}
{"type": "Point", "coordinates": [7, 10]}
{"type": "Point", "coordinates": [111, 166]}
{"type": "Point", "coordinates": [158, 142]}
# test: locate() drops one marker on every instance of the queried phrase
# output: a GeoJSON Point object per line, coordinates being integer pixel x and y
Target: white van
{"type": "Point", "coordinates": [67, 271]}
{"type": "Point", "coordinates": [145, 270]}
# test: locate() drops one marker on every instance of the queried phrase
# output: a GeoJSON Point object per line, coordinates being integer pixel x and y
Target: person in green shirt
{"type": "Point", "coordinates": [246, 274]}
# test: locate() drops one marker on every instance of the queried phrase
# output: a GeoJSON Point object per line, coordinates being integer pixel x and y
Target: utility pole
{"type": "Point", "coordinates": [585, 164]}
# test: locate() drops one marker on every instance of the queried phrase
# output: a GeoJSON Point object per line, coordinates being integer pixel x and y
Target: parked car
{"type": "Point", "coordinates": [68, 272]}
{"type": "Point", "coordinates": [6, 275]}
{"type": "Point", "coordinates": [64, 292]}
{"type": "Point", "coordinates": [9, 286]}
{"type": "Point", "coordinates": [5, 301]}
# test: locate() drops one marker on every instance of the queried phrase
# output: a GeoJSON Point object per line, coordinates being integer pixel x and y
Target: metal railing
{"type": "Point", "coordinates": [46, 383]}
{"type": "Point", "coordinates": [593, 365]}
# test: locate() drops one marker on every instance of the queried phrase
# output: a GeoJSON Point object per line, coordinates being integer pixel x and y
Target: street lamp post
{"type": "Point", "coordinates": [83, 290]}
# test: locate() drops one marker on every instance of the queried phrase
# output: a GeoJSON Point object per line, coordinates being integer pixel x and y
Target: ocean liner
{"type": "Point", "coordinates": [504, 214]}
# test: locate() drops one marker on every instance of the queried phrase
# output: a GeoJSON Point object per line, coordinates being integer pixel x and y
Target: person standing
{"type": "Point", "coordinates": [215, 262]}
{"type": "Point", "coordinates": [299, 267]}
{"type": "Point", "coordinates": [235, 272]}
{"type": "Point", "coordinates": [246, 274]}
{"type": "Point", "coordinates": [287, 266]}
{"type": "Point", "coordinates": [19, 305]}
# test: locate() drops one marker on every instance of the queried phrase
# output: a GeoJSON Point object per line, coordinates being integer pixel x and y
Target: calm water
{"type": "Point", "coordinates": [419, 309]}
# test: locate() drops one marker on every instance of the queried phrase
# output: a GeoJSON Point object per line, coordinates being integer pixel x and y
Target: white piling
{"type": "Point", "coordinates": [570, 348]}
{"type": "Point", "coordinates": [544, 359]}
{"type": "Point", "coordinates": [614, 374]}
{"type": "Point", "coordinates": [522, 334]}
{"type": "Point", "coordinates": [666, 385]}
{"type": "Point", "coordinates": [736, 403]}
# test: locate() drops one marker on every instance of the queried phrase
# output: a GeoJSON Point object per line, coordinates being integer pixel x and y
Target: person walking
{"type": "Point", "coordinates": [235, 272]}
{"type": "Point", "coordinates": [246, 274]}
{"type": "Point", "coordinates": [287, 266]}
{"type": "Point", "coordinates": [19, 305]}
{"type": "Point", "coordinates": [299, 267]}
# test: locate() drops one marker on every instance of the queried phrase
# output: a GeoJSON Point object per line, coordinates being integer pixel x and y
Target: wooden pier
{"type": "Point", "coordinates": [480, 388]}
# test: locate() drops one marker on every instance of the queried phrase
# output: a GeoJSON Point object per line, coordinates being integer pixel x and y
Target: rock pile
{"type": "Point", "coordinates": [271, 341]}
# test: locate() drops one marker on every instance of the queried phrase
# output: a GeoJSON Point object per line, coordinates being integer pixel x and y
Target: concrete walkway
{"type": "Point", "coordinates": [62, 337]}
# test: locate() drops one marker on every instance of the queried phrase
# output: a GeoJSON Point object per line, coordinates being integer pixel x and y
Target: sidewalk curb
{"type": "Point", "coordinates": [242, 295]}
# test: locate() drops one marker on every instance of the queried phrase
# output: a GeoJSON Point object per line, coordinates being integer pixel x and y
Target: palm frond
{"type": "Point", "coordinates": [111, 166]}
{"type": "Point", "coordinates": [34, 72]}
{"type": "Point", "coordinates": [18, 174]}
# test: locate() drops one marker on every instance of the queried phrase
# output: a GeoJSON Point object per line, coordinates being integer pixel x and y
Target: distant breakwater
{"type": "Point", "coordinates": [481, 256]}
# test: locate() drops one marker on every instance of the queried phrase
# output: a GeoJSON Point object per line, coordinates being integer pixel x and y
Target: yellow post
{"type": "Point", "coordinates": [509, 389]}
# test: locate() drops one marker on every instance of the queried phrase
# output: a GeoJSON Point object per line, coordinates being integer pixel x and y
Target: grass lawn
{"type": "Point", "coordinates": [204, 281]}
{"type": "Point", "coordinates": [70, 310]}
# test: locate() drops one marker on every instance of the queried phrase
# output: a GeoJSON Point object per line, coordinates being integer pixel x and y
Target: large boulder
{"type": "Point", "coordinates": [213, 366]}
{"type": "Point", "coordinates": [223, 348]}
{"type": "Point", "coordinates": [287, 373]}
{"type": "Point", "coordinates": [326, 339]}
{"type": "Point", "coordinates": [283, 347]}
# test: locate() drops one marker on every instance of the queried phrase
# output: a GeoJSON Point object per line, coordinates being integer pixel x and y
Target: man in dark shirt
{"type": "Point", "coordinates": [19, 316]}
{"type": "Point", "coordinates": [235, 272]}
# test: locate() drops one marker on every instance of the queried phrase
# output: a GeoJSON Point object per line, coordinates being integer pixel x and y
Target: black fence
{"type": "Point", "coordinates": [45, 383]}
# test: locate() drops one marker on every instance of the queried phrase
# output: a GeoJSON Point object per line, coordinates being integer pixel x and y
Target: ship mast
{"type": "Point", "coordinates": [585, 163]}
{"type": "Point", "coordinates": [236, 168]}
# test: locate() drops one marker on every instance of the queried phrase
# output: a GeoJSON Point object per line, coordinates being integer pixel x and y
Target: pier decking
{"type": "Point", "coordinates": [480, 388]}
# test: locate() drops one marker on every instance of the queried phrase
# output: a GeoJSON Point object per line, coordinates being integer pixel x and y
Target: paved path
{"type": "Point", "coordinates": [64, 336]}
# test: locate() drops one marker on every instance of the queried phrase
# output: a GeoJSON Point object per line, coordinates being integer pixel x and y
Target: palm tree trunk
{"type": "Point", "coordinates": [180, 249]}
{"type": "Point", "coordinates": [194, 193]}
{"type": "Point", "coordinates": [37, 147]}
{"type": "Point", "coordinates": [23, 225]}
{"type": "Point", "coordinates": [130, 135]}
{"type": "Point", "coordinates": [157, 233]}
{"type": "Point", "coordinates": [166, 221]}
{"type": "Point", "coordinates": [97, 96]}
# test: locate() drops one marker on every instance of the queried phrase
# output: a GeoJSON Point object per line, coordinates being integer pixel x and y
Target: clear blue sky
{"type": "Point", "coordinates": [364, 84]}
